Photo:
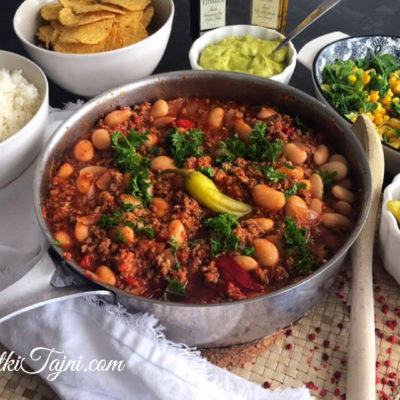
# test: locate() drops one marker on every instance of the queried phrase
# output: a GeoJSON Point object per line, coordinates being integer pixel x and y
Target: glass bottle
{"type": "Point", "coordinates": [270, 13]}
{"type": "Point", "coordinates": [206, 15]}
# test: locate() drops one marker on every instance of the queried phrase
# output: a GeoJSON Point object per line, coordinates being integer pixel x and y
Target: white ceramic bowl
{"type": "Point", "coordinates": [326, 49]}
{"type": "Point", "coordinates": [217, 35]}
{"type": "Point", "coordinates": [19, 150]}
{"type": "Point", "coordinates": [91, 74]}
{"type": "Point", "coordinates": [389, 231]}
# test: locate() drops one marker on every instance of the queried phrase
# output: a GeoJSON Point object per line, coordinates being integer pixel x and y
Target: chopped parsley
{"type": "Point", "coordinates": [247, 251]}
{"type": "Point", "coordinates": [193, 244]}
{"type": "Point", "coordinates": [141, 230]}
{"type": "Point", "coordinates": [290, 166]}
{"type": "Point", "coordinates": [174, 244]}
{"type": "Point", "coordinates": [259, 149]}
{"type": "Point", "coordinates": [293, 190]}
{"type": "Point", "coordinates": [296, 241]}
{"type": "Point", "coordinates": [208, 171]}
{"type": "Point", "coordinates": [327, 179]}
{"type": "Point", "coordinates": [183, 145]}
{"type": "Point", "coordinates": [129, 160]}
{"type": "Point", "coordinates": [272, 174]}
{"type": "Point", "coordinates": [175, 288]}
{"type": "Point", "coordinates": [298, 123]}
{"type": "Point", "coordinates": [155, 151]}
{"type": "Point", "coordinates": [120, 237]}
{"type": "Point", "coordinates": [222, 239]}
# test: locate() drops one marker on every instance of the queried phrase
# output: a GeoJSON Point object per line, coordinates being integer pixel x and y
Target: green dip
{"type": "Point", "coordinates": [245, 54]}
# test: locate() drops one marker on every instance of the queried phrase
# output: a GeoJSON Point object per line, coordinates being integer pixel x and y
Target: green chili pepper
{"type": "Point", "coordinates": [203, 189]}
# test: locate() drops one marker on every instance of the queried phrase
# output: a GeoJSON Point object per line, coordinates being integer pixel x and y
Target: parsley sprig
{"type": "Point", "coordinates": [272, 174]}
{"type": "Point", "coordinates": [189, 144]}
{"type": "Point", "coordinates": [294, 189]}
{"type": "Point", "coordinates": [223, 239]}
{"type": "Point", "coordinates": [259, 149]}
{"type": "Point", "coordinates": [296, 240]}
{"type": "Point", "coordinates": [327, 179]}
{"type": "Point", "coordinates": [174, 287]}
{"type": "Point", "coordinates": [129, 160]}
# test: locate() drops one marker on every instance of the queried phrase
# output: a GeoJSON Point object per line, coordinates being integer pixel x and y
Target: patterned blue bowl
{"type": "Point", "coordinates": [353, 48]}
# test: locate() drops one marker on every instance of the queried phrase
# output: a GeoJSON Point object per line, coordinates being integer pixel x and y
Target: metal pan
{"type": "Point", "coordinates": [213, 325]}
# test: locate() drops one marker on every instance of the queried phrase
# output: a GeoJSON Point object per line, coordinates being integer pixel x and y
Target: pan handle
{"type": "Point", "coordinates": [34, 289]}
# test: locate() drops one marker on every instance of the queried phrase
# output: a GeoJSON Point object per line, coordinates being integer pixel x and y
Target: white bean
{"type": "Point", "coordinates": [317, 186]}
{"type": "Point", "coordinates": [344, 194]}
{"type": "Point", "coordinates": [335, 166]}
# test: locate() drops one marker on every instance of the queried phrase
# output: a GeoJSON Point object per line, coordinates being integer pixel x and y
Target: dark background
{"type": "Point", "coordinates": [354, 17]}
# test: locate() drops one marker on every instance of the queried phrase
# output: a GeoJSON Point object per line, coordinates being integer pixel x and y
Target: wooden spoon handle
{"type": "Point", "coordinates": [361, 352]}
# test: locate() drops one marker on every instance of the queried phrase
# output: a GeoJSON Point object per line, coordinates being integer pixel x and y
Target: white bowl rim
{"type": "Point", "coordinates": [387, 196]}
{"type": "Point", "coordinates": [318, 86]}
{"type": "Point", "coordinates": [89, 55]}
{"type": "Point", "coordinates": [236, 27]}
{"type": "Point", "coordinates": [44, 100]}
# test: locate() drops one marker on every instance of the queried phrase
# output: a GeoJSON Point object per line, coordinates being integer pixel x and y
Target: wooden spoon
{"type": "Point", "coordinates": [361, 352]}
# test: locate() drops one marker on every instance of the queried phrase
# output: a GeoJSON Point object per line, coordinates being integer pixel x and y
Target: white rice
{"type": "Point", "coordinates": [19, 101]}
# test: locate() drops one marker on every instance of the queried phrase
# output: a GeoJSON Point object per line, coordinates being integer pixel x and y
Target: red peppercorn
{"type": "Point", "coordinates": [377, 364]}
{"type": "Point", "coordinates": [288, 332]}
{"type": "Point", "coordinates": [326, 343]}
{"type": "Point", "coordinates": [391, 383]}
{"type": "Point", "coordinates": [323, 392]}
{"type": "Point", "coordinates": [393, 339]}
{"type": "Point", "coordinates": [325, 357]}
{"type": "Point", "coordinates": [377, 381]}
{"type": "Point", "coordinates": [388, 363]}
{"type": "Point", "coordinates": [393, 375]}
{"type": "Point", "coordinates": [381, 299]}
{"type": "Point", "coordinates": [312, 336]}
{"type": "Point", "coordinates": [318, 330]}
{"type": "Point", "coordinates": [391, 324]}
{"type": "Point", "coordinates": [289, 346]}
{"type": "Point", "coordinates": [336, 392]}
{"type": "Point", "coordinates": [310, 385]}
{"type": "Point", "coordinates": [385, 308]}
{"type": "Point", "coordinates": [337, 375]}
{"type": "Point", "coordinates": [389, 351]}
{"type": "Point", "coordinates": [266, 385]}
{"type": "Point", "coordinates": [384, 381]}
{"type": "Point", "coordinates": [340, 325]}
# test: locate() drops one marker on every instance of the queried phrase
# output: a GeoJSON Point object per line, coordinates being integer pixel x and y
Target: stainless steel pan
{"type": "Point", "coordinates": [213, 325]}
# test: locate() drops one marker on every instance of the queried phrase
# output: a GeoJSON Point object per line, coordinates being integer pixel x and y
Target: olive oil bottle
{"type": "Point", "coordinates": [270, 13]}
{"type": "Point", "coordinates": [206, 15]}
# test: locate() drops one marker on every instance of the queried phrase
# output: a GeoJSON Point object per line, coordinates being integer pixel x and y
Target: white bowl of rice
{"type": "Point", "coordinates": [24, 109]}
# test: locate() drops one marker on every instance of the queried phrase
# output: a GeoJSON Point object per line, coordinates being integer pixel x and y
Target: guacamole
{"type": "Point", "coordinates": [245, 54]}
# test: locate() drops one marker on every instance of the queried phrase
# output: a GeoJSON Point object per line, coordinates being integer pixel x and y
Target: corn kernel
{"type": "Point", "coordinates": [374, 96]}
{"type": "Point", "coordinates": [386, 101]}
{"type": "Point", "coordinates": [370, 116]}
{"type": "Point", "coordinates": [366, 78]}
{"type": "Point", "coordinates": [395, 100]}
{"type": "Point", "coordinates": [378, 120]}
{"type": "Point", "coordinates": [386, 118]}
{"type": "Point", "coordinates": [394, 123]}
{"type": "Point", "coordinates": [396, 88]}
{"type": "Point", "coordinates": [392, 79]}
{"type": "Point", "coordinates": [352, 78]}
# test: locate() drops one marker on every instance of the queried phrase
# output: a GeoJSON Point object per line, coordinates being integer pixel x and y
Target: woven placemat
{"type": "Point", "coordinates": [311, 353]}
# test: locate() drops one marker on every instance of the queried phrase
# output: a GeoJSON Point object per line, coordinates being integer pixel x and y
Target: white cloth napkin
{"type": "Point", "coordinates": [66, 341]}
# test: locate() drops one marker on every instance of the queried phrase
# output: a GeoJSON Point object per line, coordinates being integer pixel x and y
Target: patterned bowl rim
{"type": "Point", "coordinates": [318, 86]}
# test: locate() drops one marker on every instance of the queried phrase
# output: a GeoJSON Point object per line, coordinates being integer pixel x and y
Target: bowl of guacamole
{"type": "Point", "coordinates": [244, 49]}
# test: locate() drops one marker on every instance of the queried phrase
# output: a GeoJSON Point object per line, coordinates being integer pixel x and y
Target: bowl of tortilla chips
{"type": "Point", "coordinates": [89, 46]}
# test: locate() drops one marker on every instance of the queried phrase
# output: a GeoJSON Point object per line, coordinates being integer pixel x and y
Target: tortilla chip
{"type": "Point", "coordinates": [68, 18]}
{"type": "Point", "coordinates": [133, 5]}
{"type": "Point", "coordinates": [114, 38]}
{"type": "Point", "coordinates": [72, 3]}
{"type": "Point", "coordinates": [87, 34]}
{"type": "Point", "coordinates": [79, 48]}
{"type": "Point", "coordinates": [50, 11]}
{"type": "Point", "coordinates": [129, 18]}
{"type": "Point", "coordinates": [148, 13]}
{"type": "Point", "coordinates": [45, 33]}
{"type": "Point", "coordinates": [92, 7]}
{"type": "Point", "coordinates": [133, 34]}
